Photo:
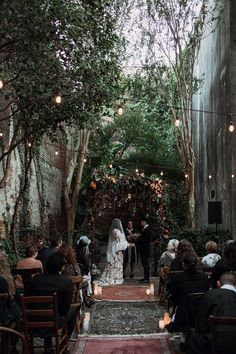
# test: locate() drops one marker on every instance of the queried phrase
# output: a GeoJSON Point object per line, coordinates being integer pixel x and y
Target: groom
{"type": "Point", "coordinates": [144, 248]}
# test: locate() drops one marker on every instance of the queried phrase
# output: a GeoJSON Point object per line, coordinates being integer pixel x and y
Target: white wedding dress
{"type": "Point", "coordinates": [113, 273]}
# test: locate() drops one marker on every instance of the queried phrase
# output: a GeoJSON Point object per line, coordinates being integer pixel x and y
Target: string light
{"type": "Point", "coordinates": [1, 135]}
{"type": "Point", "coordinates": [110, 165]}
{"type": "Point", "coordinates": [186, 176]}
{"type": "Point", "coordinates": [58, 99]}
{"type": "Point", "coordinates": [1, 84]}
{"type": "Point", "coordinates": [210, 176]}
{"type": "Point", "coordinates": [232, 176]}
{"type": "Point", "coordinates": [162, 173]}
{"type": "Point", "coordinates": [29, 145]}
{"type": "Point", "coordinates": [177, 122]}
{"type": "Point", "coordinates": [136, 170]}
{"type": "Point", "coordinates": [231, 127]}
{"type": "Point", "coordinates": [120, 110]}
{"type": "Point", "coordinates": [85, 160]}
{"type": "Point", "coordinates": [56, 153]}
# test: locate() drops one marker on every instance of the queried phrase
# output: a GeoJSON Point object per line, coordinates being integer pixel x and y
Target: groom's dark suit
{"type": "Point", "coordinates": [144, 249]}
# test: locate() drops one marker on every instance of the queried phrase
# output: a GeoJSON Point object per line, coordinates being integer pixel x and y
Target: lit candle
{"type": "Point", "coordinates": [148, 291]}
{"type": "Point", "coordinates": [99, 290]}
{"type": "Point", "coordinates": [161, 324]}
{"type": "Point", "coordinates": [152, 289]}
{"type": "Point", "coordinates": [95, 292]}
{"type": "Point", "coordinates": [86, 321]}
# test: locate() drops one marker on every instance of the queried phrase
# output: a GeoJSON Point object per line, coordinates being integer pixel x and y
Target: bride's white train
{"type": "Point", "coordinates": [117, 244]}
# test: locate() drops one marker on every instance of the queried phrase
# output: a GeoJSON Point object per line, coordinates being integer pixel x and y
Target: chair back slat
{"type": "Point", "coordinates": [39, 313]}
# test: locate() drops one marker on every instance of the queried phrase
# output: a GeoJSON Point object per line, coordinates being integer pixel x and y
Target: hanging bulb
{"type": "Point", "coordinates": [186, 176]}
{"type": "Point", "coordinates": [29, 145]}
{"type": "Point", "coordinates": [136, 170]}
{"type": "Point", "coordinates": [231, 127]}
{"type": "Point", "coordinates": [1, 84]}
{"type": "Point", "coordinates": [1, 135]}
{"type": "Point", "coordinates": [210, 176]}
{"type": "Point", "coordinates": [120, 110]}
{"type": "Point", "coordinates": [177, 122]}
{"type": "Point", "coordinates": [56, 153]}
{"type": "Point", "coordinates": [110, 166]}
{"type": "Point", "coordinates": [85, 160]}
{"type": "Point", "coordinates": [162, 173]}
{"type": "Point", "coordinates": [58, 99]}
{"type": "Point", "coordinates": [232, 176]}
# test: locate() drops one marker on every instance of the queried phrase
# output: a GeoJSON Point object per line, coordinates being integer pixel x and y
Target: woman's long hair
{"type": "Point", "coordinates": [184, 248]}
{"type": "Point", "coordinates": [5, 272]}
{"type": "Point", "coordinates": [69, 254]}
{"type": "Point", "coordinates": [190, 264]}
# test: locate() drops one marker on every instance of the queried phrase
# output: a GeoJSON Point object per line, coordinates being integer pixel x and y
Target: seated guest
{"type": "Point", "coordinates": [41, 247]}
{"type": "Point", "coordinates": [212, 256]}
{"type": "Point", "coordinates": [169, 255]}
{"type": "Point", "coordinates": [54, 245]}
{"type": "Point", "coordinates": [187, 282]}
{"type": "Point", "coordinates": [52, 281]}
{"type": "Point", "coordinates": [83, 254]}
{"type": "Point", "coordinates": [226, 264]}
{"type": "Point", "coordinates": [217, 302]}
{"type": "Point", "coordinates": [7, 286]}
{"type": "Point", "coordinates": [184, 248]}
{"type": "Point", "coordinates": [72, 268]}
{"type": "Point", "coordinates": [30, 260]}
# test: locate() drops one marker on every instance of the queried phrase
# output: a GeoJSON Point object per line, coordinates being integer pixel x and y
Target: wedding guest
{"type": "Point", "coordinates": [30, 260]}
{"type": "Point", "coordinates": [83, 254]}
{"type": "Point", "coordinates": [53, 281]}
{"type": "Point", "coordinates": [212, 257]}
{"type": "Point", "coordinates": [72, 268]}
{"type": "Point", "coordinates": [169, 255]}
{"type": "Point", "coordinates": [186, 282]}
{"type": "Point", "coordinates": [54, 245]}
{"type": "Point", "coordinates": [226, 264]}
{"type": "Point", "coordinates": [144, 248]}
{"type": "Point", "coordinates": [130, 256]}
{"type": "Point", "coordinates": [184, 248]}
{"type": "Point", "coordinates": [217, 302]}
{"type": "Point", "coordinates": [7, 286]}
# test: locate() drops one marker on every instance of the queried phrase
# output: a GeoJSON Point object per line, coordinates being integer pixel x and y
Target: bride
{"type": "Point", "coordinates": [113, 273]}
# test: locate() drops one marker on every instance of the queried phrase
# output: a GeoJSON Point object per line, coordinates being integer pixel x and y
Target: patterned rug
{"type": "Point", "coordinates": [158, 344]}
{"type": "Point", "coordinates": [125, 318]}
{"type": "Point", "coordinates": [125, 293]}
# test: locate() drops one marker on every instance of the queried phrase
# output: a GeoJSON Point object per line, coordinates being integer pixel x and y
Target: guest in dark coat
{"type": "Point", "coordinates": [52, 281]}
{"type": "Point", "coordinates": [226, 264]}
{"type": "Point", "coordinates": [217, 302]}
{"type": "Point", "coordinates": [184, 248]}
{"type": "Point", "coordinates": [54, 245]}
{"type": "Point", "coordinates": [144, 248]}
{"type": "Point", "coordinates": [182, 284]}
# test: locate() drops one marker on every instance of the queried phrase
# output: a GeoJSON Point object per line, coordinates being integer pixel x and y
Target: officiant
{"type": "Point", "coordinates": [130, 257]}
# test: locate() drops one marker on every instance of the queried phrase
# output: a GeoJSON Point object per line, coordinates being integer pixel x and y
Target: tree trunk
{"type": "Point", "coordinates": [191, 195]}
{"type": "Point", "coordinates": [72, 203]}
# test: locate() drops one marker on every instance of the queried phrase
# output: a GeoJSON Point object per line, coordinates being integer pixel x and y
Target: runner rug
{"type": "Point", "coordinates": [125, 293]}
{"type": "Point", "coordinates": [125, 318]}
{"type": "Point", "coordinates": [132, 345]}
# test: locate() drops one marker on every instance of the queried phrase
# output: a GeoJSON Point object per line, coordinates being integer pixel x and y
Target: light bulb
{"type": "Point", "coordinates": [162, 173]}
{"type": "Point", "coordinates": [56, 153]}
{"type": "Point", "coordinates": [136, 170]}
{"type": "Point", "coordinates": [186, 176]}
{"type": "Point", "coordinates": [210, 176]}
{"type": "Point", "coordinates": [232, 176]}
{"type": "Point", "coordinates": [120, 111]}
{"type": "Point", "coordinates": [29, 145]}
{"type": "Point", "coordinates": [231, 127]}
{"type": "Point", "coordinates": [110, 165]}
{"type": "Point", "coordinates": [85, 160]}
{"type": "Point", "coordinates": [177, 122]}
{"type": "Point", "coordinates": [1, 135]}
{"type": "Point", "coordinates": [1, 84]}
{"type": "Point", "coordinates": [58, 99]}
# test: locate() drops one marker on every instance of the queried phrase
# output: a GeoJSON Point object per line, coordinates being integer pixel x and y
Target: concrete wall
{"type": "Point", "coordinates": [215, 147]}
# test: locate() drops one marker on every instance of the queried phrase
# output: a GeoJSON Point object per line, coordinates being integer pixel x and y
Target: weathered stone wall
{"type": "Point", "coordinates": [215, 147]}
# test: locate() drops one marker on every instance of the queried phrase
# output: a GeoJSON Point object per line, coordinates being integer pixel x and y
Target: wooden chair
{"type": "Point", "coordinates": [26, 275]}
{"type": "Point", "coordinates": [77, 300]}
{"type": "Point", "coordinates": [219, 331]}
{"type": "Point", "coordinates": [7, 335]}
{"type": "Point", "coordinates": [41, 319]}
